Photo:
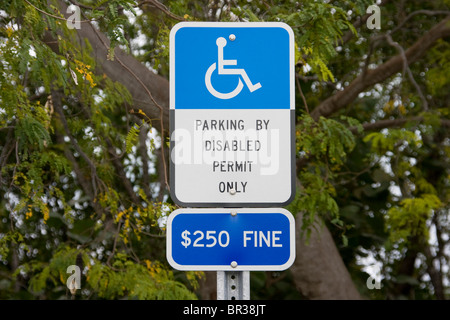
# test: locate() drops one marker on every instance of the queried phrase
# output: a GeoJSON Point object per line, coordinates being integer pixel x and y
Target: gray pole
{"type": "Point", "coordinates": [233, 285]}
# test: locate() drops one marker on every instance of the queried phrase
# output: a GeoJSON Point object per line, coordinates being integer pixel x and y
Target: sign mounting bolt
{"type": "Point", "coordinates": [232, 37]}
{"type": "Point", "coordinates": [233, 213]}
{"type": "Point", "coordinates": [232, 191]}
{"type": "Point", "coordinates": [233, 264]}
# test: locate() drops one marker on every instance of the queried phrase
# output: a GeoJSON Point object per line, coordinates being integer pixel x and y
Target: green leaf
{"type": "Point", "coordinates": [132, 137]}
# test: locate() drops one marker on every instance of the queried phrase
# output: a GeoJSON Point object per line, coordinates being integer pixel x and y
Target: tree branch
{"type": "Point", "coordinates": [391, 123]}
{"type": "Point", "coordinates": [415, 13]}
{"type": "Point", "coordinates": [80, 176]}
{"type": "Point", "coordinates": [142, 149]}
{"type": "Point", "coordinates": [343, 98]}
{"type": "Point", "coordinates": [7, 149]}
{"type": "Point", "coordinates": [408, 70]}
{"type": "Point", "coordinates": [117, 163]}
{"type": "Point", "coordinates": [139, 82]}
{"type": "Point", "coordinates": [162, 8]}
{"type": "Point", "coordinates": [56, 98]}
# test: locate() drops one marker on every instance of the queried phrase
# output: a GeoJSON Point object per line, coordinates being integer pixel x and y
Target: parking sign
{"type": "Point", "coordinates": [232, 114]}
{"type": "Point", "coordinates": [231, 239]}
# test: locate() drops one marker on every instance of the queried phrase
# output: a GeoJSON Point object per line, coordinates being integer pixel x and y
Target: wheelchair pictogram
{"type": "Point", "coordinates": [221, 62]}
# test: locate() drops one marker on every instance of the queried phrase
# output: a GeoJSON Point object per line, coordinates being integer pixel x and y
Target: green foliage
{"type": "Point", "coordinates": [126, 278]}
{"type": "Point", "coordinates": [31, 133]}
{"type": "Point", "coordinates": [437, 77]}
{"type": "Point", "coordinates": [409, 219]}
{"type": "Point", "coordinates": [8, 239]}
{"type": "Point", "coordinates": [123, 278]}
{"type": "Point", "coordinates": [328, 142]}
{"type": "Point", "coordinates": [316, 198]}
{"type": "Point", "coordinates": [63, 135]}
{"type": "Point", "coordinates": [132, 137]}
{"type": "Point", "coordinates": [319, 26]}
{"type": "Point", "coordinates": [54, 273]}
{"type": "Point", "coordinates": [162, 49]}
{"type": "Point", "coordinates": [388, 141]}
{"type": "Point", "coordinates": [113, 23]}
{"type": "Point", "coordinates": [326, 138]}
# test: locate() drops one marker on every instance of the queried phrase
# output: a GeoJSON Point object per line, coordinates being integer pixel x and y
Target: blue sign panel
{"type": "Point", "coordinates": [232, 66]}
{"type": "Point", "coordinates": [220, 239]}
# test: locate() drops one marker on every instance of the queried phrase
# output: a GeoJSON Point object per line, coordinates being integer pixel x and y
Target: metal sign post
{"type": "Point", "coordinates": [233, 285]}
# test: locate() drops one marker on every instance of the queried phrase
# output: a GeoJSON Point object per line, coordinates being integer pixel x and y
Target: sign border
{"type": "Point", "coordinates": [286, 213]}
{"type": "Point", "coordinates": [172, 109]}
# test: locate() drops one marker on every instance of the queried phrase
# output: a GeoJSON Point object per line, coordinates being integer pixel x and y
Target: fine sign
{"type": "Point", "coordinates": [231, 239]}
{"type": "Point", "coordinates": [232, 114]}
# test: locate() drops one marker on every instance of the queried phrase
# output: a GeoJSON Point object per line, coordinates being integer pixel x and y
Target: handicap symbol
{"type": "Point", "coordinates": [221, 43]}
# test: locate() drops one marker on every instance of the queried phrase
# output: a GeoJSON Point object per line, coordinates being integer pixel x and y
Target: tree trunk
{"type": "Point", "coordinates": [318, 270]}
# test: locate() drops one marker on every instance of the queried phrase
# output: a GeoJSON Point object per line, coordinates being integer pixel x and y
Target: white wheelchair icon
{"type": "Point", "coordinates": [221, 43]}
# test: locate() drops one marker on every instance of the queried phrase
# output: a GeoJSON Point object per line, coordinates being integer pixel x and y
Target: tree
{"type": "Point", "coordinates": [84, 157]}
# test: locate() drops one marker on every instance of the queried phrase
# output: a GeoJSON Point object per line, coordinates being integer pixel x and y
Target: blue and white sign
{"type": "Point", "coordinates": [232, 104]}
{"type": "Point", "coordinates": [231, 66]}
{"type": "Point", "coordinates": [234, 239]}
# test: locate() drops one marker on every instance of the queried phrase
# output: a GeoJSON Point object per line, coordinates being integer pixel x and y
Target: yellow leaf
{"type": "Point", "coordinates": [9, 31]}
{"type": "Point", "coordinates": [119, 216]}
